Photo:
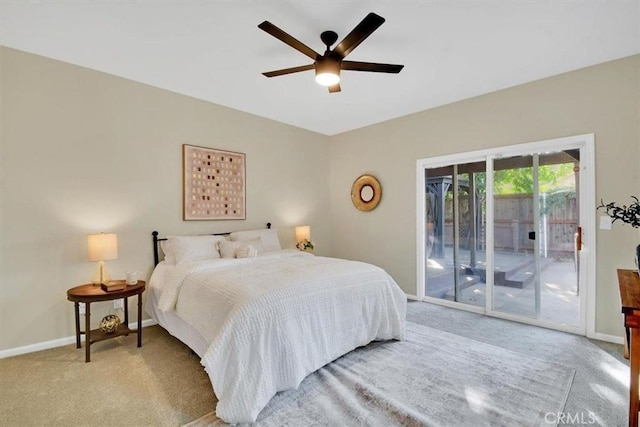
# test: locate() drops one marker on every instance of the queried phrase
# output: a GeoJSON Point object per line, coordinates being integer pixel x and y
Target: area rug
{"type": "Point", "coordinates": [432, 378]}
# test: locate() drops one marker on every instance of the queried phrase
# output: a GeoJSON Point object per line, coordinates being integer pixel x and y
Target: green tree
{"type": "Point", "coordinates": [520, 181]}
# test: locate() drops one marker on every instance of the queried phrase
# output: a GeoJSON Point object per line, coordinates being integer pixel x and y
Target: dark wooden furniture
{"type": "Point", "coordinates": [89, 293]}
{"type": "Point", "coordinates": [629, 283]}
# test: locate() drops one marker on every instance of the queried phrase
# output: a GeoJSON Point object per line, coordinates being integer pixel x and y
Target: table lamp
{"type": "Point", "coordinates": [102, 247]}
{"type": "Point", "coordinates": [303, 238]}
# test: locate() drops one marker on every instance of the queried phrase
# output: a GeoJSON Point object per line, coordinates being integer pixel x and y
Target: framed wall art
{"type": "Point", "coordinates": [213, 184]}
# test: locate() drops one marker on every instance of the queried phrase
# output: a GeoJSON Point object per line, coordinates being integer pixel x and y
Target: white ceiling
{"type": "Point", "coordinates": [214, 51]}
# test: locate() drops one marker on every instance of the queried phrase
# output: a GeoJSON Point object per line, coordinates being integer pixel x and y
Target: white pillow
{"type": "Point", "coordinates": [168, 253]}
{"type": "Point", "coordinates": [230, 249]}
{"type": "Point", "coordinates": [270, 241]}
{"type": "Point", "coordinates": [178, 249]}
{"type": "Point", "coordinates": [246, 252]}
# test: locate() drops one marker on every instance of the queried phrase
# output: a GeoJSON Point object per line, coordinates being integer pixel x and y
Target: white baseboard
{"type": "Point", "coordinates": [609, 338]}
{"type": "Point", "coordinates": [412, 297]}
{"type": "Point", "coordinates": [31, 348]}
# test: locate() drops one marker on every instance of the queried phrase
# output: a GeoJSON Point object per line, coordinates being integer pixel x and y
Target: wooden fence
{"type": "Point", "coordinates": [514, 221]}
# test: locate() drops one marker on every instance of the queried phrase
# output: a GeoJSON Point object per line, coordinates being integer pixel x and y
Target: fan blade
{"type": "Point", "coordinates": [290, 40]}
{"type": "Point", "coordinates": [371, 66]}
{"type": "Point", "coordinates": [368, 25]}
{"type": "Point", "coordinates": [335, 88]}
{"type": "Point", "coordinates": [288, 70]}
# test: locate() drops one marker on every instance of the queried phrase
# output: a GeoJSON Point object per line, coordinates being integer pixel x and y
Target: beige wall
{"type": "Point", "coordinates": [603, 99]}
{"type": "Point", "coordinates": [84, 152]}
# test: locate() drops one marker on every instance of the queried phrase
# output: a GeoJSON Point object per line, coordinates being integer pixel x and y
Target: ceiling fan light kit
{"type": "Point", "coordinates": [328, 66]}
{"type": "Point", "coordinates": [327, 71]}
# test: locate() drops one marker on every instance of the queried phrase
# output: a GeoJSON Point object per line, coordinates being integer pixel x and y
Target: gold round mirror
{"type": "Point", "coordinates": [366, 192]}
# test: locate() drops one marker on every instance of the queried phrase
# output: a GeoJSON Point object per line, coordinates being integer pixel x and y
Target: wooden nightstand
{"type": "Point", "coordinates": [89, 293]}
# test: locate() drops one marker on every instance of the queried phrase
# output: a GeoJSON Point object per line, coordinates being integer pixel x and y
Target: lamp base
{"type": "Point", "coordinates": [102, 276]}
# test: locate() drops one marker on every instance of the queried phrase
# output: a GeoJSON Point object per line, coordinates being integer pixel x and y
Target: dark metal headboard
{"type": "Point", "coordinates": [157, 240]}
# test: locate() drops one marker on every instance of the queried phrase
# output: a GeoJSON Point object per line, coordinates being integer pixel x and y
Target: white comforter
{"type": "Point", "coordinates": [273, 320]}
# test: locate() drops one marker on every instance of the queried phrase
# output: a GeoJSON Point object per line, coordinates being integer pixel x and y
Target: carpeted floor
{"type": "Point", "coordinates": [417, 382]}
{"type": "Point", "coordinates": [162, 383]}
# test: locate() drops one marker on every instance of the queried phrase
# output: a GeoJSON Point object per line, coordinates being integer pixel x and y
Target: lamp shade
{"type": "Point", "coordinates": [303, 232]}
{"type": "Point", "coordinates": [102, 247]}
{"type": "Point", "coordinates": [327, 71]}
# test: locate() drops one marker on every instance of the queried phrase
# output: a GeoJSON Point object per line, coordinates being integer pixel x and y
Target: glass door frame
{"type": "Point", "coordinates": [587, 256]}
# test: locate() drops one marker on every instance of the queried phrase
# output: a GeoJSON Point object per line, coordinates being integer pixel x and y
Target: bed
{"type": "Point", "coordinates": [262, 318]}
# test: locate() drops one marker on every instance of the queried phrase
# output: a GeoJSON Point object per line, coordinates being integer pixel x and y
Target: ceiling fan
{"type": "Point", "coordinates": [328, 65]}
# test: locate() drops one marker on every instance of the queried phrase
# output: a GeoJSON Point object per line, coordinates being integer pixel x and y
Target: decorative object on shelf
{"type": "Point", "coordinates": [132, 277]}
{"type": "Point", "coordinates": [366, 193]}
{"type": "Point", "coordinates": [109, 323]}
{"type": "Point", "coordinates": [113, 285]}
{"type": "Point", "coordinates": [303, 238]}
{"type": "Point", "coordinates": [102, 247]}
{"type": "Point", "coordinates": [213, 184]}
{"type": "Point", "coordinates": [628, 215]}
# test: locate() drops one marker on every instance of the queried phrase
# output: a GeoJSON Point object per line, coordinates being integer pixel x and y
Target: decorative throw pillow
{"type": "Point", "coordinates": [246, 252]}
{"type": "Point", "coordinates": [229, 249]}
{"type": "Point", "coordinates": [270, 240]}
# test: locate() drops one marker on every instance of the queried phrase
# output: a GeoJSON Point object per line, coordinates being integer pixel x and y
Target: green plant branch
{"type": "Point", "coordinates": [628, 215]}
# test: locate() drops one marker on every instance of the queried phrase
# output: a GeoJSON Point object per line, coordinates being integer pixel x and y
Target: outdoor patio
{"type": "Point", "coordinates": [514, 290]}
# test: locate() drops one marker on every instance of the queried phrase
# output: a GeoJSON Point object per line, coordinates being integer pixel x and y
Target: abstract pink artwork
{"type": "Point", "coordinates": [213, 184]}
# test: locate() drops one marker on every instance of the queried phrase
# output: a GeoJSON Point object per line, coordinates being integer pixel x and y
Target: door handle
{"type": "Point", "coordinates": [532, 235]}
{"type": "Point", "coordinates": [579, 238]}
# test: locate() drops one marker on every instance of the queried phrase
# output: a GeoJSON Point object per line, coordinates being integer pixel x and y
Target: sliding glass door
{"type": "Point", "coordinates": [535, 226]}
{"type": "Point", "coordinates": [455, 226]}
{"type": "Point", "coordinates": [499, 233]}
